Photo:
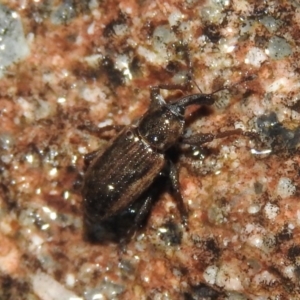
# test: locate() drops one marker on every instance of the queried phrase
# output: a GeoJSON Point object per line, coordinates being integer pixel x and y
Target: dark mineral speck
{"type": "Point", "coordinates": [171, 233]}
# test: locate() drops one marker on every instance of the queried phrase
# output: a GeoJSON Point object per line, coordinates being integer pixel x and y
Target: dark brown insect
{"type": "Point", "coordinates": [119, 185]}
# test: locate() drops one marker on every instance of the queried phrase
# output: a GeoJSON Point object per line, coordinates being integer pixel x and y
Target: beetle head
{"type": "Point", "coordinates": [161, 127]}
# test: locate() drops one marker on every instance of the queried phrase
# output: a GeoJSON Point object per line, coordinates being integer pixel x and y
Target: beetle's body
{"type": "Point", "coordinates": [117, 177]}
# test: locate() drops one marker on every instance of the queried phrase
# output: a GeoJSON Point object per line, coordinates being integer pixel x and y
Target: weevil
{"type": "Point", "coordinates": [119, 183]}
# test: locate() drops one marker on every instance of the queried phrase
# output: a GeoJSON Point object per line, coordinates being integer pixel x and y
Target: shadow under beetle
{"type": "Point", "coordinates": [119, 185]}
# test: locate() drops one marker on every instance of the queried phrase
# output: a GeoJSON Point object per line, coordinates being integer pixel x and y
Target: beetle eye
{"type": "Point", "coordinates": [129, 134]}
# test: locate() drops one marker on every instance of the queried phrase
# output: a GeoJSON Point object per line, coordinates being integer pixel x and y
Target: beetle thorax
{"type": "Point", "coordinates": [161, 128]}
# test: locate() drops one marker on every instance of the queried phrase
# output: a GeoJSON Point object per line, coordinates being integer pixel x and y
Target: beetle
{"type": "Point", "coordinates": [118, 184]}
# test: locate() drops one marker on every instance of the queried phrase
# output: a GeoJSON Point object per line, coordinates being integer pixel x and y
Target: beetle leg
{"type": "Point", "coordinates": [143, 212]}
{"type": "Point", "coordinates": [175, 185]}
{"type": "Point", "coordinates": [99, 131]}
{"type": "Point", "coordinates": [198, 139]}
{"type": "Point", "coordinates": [90, 156]}
{"type": "Point", "coordinates": [138, 220]}
{"type": "Point", "coordinates": [202, 138]}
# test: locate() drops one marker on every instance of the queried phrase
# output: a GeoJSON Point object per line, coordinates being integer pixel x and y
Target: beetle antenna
{"type": "Point", "coordinates": [192, 79]}
{"type": "Point", "coordinates": [228, 87]}
{"type": "Point", "coordinates": [207, 99]}
{"type": "Point", "coordinates": [190, 76]}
